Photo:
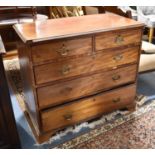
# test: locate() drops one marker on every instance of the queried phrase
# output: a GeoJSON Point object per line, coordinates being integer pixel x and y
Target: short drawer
{"type": "Point", "coordinates": [80, 87]}
{"type": "Point", "coordinates": [86, 109]}
{"type": "Point", "coordinates": [61, 49]}
{"type": "Point", "coordinates": [80, 66]}
{"type": "Point", "coordinates": [117, 38]}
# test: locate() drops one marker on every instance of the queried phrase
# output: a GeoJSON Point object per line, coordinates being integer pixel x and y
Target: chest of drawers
{"type": "Point", "coordinates": [75, 69]}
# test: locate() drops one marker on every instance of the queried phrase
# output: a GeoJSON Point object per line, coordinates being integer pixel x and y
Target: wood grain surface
{"type": "Point", "coordinates": [86, 108]}
{"type": "Point", "coordinates": [73, 26]}
{"type": "Point", "coordinates": [80, 87]}
{"type": "Point", "coordinates": [117, 38]}
{"type": "Point", "coordinates": [61, 49]}
{"type": "Point", "coordinates": [83, 65]}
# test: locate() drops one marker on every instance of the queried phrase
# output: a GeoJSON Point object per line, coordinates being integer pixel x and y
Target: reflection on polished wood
{"type": "Point", "coordinates": [73, 26]}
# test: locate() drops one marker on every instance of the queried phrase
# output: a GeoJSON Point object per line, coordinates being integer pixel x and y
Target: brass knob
{"type": "Point", "coordinates": [116, 100]}
{"type": "Point", "coordinates": [68, 117]}
{"type": "Point", "coordinates": [118, 57]}
{"type": "Point", "coordinates": [119, 39]}
{"type": "Point", "coordinates": [65, 69]}
{"type": "Point", "coordinates": [116, 77]}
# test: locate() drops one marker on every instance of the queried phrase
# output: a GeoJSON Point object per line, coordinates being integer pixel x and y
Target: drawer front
{"type": "Point", "coordinates": [75, 67]}
{"type": "Point", "coordinates": [80, 87]}
{"type": "Point", "coordinates": [87, 108]}
{"type": "Point", "coordinates": [61, 49]}
{"type": "Point", "coordinates": [117, 38]}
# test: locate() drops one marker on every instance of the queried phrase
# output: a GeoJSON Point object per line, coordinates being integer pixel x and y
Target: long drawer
{"type": "Point", "coordinates": [87, 108]}
{"type": "Point", "coordinates": [84, 65]}
{"type": "Point", "coordinates": [80, 87]}
{"type": "Point", "coordinates": [61, 49]}
{"type": "Point", "coordinates": [117, 38]}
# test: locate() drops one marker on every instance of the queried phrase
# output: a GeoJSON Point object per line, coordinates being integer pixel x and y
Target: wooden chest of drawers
{"type": "Point", "coordinates": [75, 69]}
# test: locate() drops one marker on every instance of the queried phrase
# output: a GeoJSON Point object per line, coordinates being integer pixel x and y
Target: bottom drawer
{"type": "Point", "coordinates": [85, 109]}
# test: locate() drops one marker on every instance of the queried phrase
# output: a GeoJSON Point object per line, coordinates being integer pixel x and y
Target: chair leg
{"type": "Point", "coordinates": [151, 31]}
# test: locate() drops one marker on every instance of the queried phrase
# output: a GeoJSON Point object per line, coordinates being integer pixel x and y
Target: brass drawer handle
{"type": "Point", "coordinates": [119, 39]}
{"type": "Point", "coordinates": [65, 70]}
{"type": "Point", "coordinates": [116, 77]}
{"type": "Point", "coordinates": [118, 57]}
{"type": "Point", "coordinates": [116, 100]}
{"type": "Point", "coordinates": [63, 51]}
{"type": "Point", "coordinates": [68, 117]}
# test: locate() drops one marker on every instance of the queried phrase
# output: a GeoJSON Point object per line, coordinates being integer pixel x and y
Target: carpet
{"type": "Point", "coordinates": [119, 129]}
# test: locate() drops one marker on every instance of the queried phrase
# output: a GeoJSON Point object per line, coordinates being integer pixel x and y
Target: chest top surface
{"type": "Point", "coordinates": [73, 26]}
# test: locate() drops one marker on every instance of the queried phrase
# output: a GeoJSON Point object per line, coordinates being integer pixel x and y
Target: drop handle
{"type": "Point", "coordinates": [116, 100]}
{"type": "Point", "coordinates": [65, 69]}
{"type": "Point", "coordinates": [119, 39]}
{"type": "Point", "coordinates": [116, 77]}
{"type": "Point", "coordinates": [118, 57]}
{"type": "Point", "coordinates": [68, 117]}
{"type": "Point", "coordinates": [63, 51]}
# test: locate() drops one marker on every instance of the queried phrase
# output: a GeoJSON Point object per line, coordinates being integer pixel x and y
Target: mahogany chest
{"type": "Point", "coordinates": [75, 69]}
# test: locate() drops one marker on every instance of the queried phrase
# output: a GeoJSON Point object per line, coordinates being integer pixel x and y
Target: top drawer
{"type": "Point", "coordinates": [117, 38]}
{"type": "Point", "coordinates": [60, 49]}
